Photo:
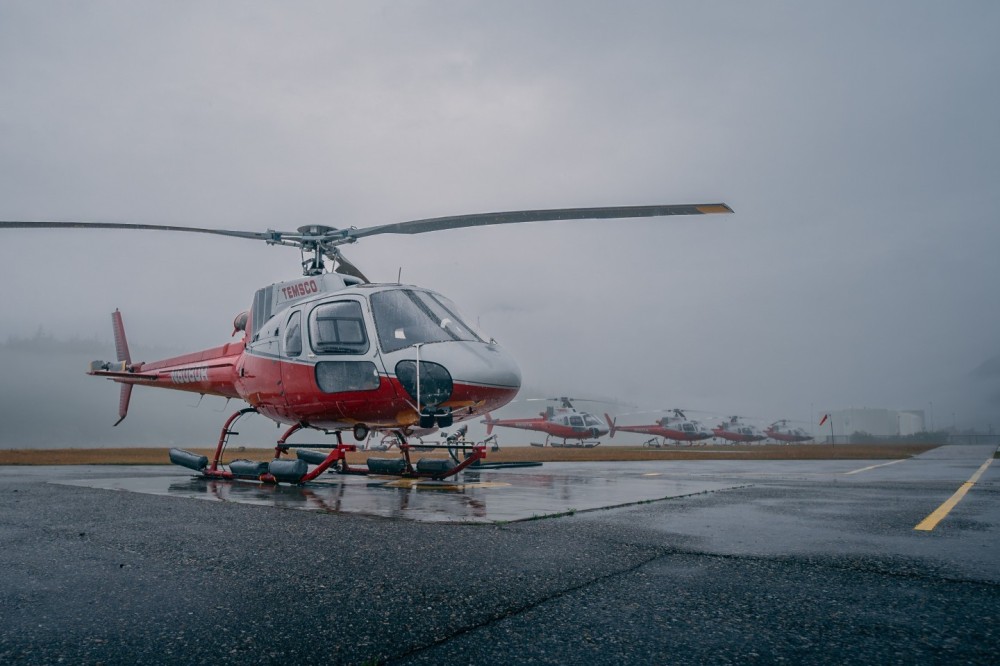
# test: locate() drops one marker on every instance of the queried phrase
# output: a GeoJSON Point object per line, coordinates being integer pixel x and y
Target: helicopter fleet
{"type": "Point", "coordinates": [564, 426]}
{"type": "Point", "coordinates": [334, 353]}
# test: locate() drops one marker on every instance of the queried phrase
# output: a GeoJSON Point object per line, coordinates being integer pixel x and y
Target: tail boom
{"type": "Point", "coordinates": [209, 372]}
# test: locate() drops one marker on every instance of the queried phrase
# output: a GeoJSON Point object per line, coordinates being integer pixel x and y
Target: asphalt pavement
{"type": "Point", "coordinates": [761, 562]}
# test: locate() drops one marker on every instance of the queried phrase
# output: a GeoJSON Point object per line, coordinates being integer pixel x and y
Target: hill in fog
{"type": "Point", "coordinates": [47, 401]}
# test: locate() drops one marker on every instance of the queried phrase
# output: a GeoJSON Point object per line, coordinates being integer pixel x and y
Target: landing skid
{"type": "Point", "coordinates": [296, 471]}
{"type": "Point", "coordinates": [565, 444]}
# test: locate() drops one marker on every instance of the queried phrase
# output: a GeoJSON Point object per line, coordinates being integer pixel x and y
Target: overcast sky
{"type": "Point", "coordinates": [858, 143]}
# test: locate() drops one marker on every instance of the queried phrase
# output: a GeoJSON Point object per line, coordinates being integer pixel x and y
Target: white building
{"type": "Point", "coordinates": [911, 422]}
{"type": "Point", "coordinates": [876, 422]}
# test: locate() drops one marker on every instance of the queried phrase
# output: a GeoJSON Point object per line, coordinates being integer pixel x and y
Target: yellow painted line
{"type": "Point", "coordinates": [865, 469]}
{"type": "Point", "coordinates": [931, 521]}
{"type": "Point", "coordinates": [653, 474]}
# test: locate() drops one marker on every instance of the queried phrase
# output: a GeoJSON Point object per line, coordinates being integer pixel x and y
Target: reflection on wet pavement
{"type": "Point", "coordinates": [479, 496]}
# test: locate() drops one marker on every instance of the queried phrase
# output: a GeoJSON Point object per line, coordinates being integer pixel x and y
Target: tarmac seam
{"type": "Point", "coordinates": [573, 512]}
{"type": "Point", "coordinates": [527, 607]}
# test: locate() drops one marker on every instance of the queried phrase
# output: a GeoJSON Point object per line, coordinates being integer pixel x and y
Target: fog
{"type": "Point", "coordinates": [857, 143]}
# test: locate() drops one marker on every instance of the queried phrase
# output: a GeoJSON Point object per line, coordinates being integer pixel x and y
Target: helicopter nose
{"type": "Point", "coordinates": [430, 384]}
{"type": "Point", "coordinates": [468, 372]}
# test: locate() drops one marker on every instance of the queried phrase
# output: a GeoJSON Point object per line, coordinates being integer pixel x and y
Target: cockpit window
{"type": "Point", "coordinates": [404, 317]}
{"type": "Point", "coordinates": [338, 328]}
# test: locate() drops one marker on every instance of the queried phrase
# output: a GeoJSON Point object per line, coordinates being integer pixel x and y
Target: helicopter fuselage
{"type": "Point", "coordinates": [328, 355]}
{"type": "Point", "coordinates": [739, 433]}
{"type": "Point", "coordinates": [783, 434]}
{"type": "Point", "coordinates": [563, 424]}
{"type": "Point", "coordinates": [677, 432]}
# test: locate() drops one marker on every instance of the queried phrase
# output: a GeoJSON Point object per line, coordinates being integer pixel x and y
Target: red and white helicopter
{"type": "Point", "coordinates": [331, 351]}
{"type": "Point", "coordinates": [782, 432]}
{"type": "Point", "coordinates": [674, 426]}
{"type": "Point", "coordinates": [563, 422]}
{"type": "Point", "coordinates": [736, 430]}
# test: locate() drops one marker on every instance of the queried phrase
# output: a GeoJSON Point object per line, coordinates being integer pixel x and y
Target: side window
{"type": "Point", "coordinates": [293, 334]}
{"type": "Point", "coordinates": [338, 328]}
{"type": "Point", "coordinates": [346, 376]}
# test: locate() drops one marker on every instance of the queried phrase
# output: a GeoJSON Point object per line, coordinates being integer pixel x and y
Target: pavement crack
{"type": "Point", "coordinates": [512, 612]}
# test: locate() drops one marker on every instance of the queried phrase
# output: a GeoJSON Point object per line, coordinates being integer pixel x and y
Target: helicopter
{"type": "Point", "coordinates": [677, 427]}
{"type": "Point", "coordinates": [563, 422]}
{"type": "Point", "coordinates": [782, 432]}
{"type": "Point", "coordinates": [735, 430]}
{"type": "Point", "coordinates": [333, 352]}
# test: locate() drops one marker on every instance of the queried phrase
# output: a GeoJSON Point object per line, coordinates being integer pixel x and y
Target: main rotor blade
{"type": "Point", "coordinates": [516, 216]}
{"type": "Point", "coordinates": [273, 236]}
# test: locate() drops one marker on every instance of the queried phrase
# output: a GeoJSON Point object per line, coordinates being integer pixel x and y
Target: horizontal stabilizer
{"type": "Point", "coordinates": [117, 371]}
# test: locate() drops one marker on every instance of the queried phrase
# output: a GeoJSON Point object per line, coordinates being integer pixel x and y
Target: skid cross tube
{"type": "Point", "coordinates": [336, 459]}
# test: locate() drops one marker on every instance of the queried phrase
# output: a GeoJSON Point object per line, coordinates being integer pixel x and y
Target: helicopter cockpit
{"type": "Point", "coordinates": [581, 420]}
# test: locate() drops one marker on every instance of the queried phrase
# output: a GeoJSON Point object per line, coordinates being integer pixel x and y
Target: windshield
{"type": "Point", "coordinates": [405, 317]}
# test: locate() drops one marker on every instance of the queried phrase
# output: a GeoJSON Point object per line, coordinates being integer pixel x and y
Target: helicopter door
{"type": "Point", "coordinates": [342, 361]}
{"type": "Point", "coordinates": [285, 344]}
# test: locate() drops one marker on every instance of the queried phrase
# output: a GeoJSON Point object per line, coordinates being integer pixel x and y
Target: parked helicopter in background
{"type": "Point", "coordinates": [736, 430]}
{"type": "Point", "coordinates": [332, 352]}
{"type": "Point", "coordinates": [675, 426]}
{"type": "Point", "coordinates": [563, 422]}
{"type": "Point", "coordinates": [782, 432]}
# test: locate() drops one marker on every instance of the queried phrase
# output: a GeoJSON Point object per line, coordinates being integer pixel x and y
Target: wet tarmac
{"type": "Point", "coordinates": [653, 562]}
{"type": "Point", "coordinates": [498, 496]}
{"type": "Point", "coordinates": [481, 496]}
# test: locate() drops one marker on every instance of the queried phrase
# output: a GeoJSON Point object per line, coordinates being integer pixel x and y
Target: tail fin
{"type": "Point", "coordinates": [611, 424]}
{"type": "Point", "coordinates": [121, 348]}
{"type": "Point", "coordinates": [489, 424]}
{"type": "Point", "coordinates": [121, 344]}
